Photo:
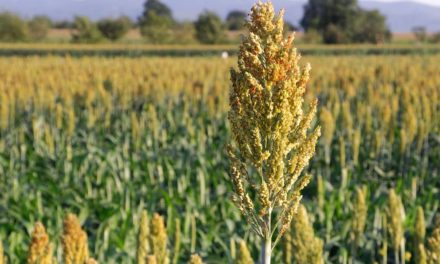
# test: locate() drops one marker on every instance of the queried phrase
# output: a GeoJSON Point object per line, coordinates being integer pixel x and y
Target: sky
{"type": "Point", "coordinates": [429, 2]}
{"type": "Point", "coordinates": [31, 7]}
{"type": "Point", "coordinates": [61, 9]}
{"type": "Point", "coordinates": [401, 17]}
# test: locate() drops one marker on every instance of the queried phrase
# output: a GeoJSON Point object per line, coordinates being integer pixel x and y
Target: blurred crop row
{"type": "Point", "coordinates": [106, 138]}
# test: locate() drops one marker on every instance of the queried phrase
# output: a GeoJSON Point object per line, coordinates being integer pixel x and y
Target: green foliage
{"type": "Point", "coordinates": [312, 36]}
{"type": "Point", "coordinates": [420, 34]}
{"type": "Point", "coordinates": [156, 22]}
{"type": "Point", "coordinates": [319, 14]}
{"type": "Point", "coordinates": [85, 31]}
{"type": "Point", "coordinates": [209, 28]}
{"type": "Point", "coordinates": [158, 8]}
{"type": "Point", "coordinates": [343, 21]}
{"type": "Point", "coordinates": [435, 38]}
{"type": "Point", "coordinates": [149, 133]}
{"type": "Point", "coordinates": [289, 27]}
{"type": "Point", "coordinates": [334, 34]}
{"type": "Point", "coordinates": [157, 29]}
{"type": "Point", "coordinates": [12, 28]}
{"type": "Point", "coordinates": [371, 28]}
{"type": "Point", "coordinates": [63, 24]}
{"type": "Point", "coordinates": [184, 33]}
{"type": "Point", "coordinates": [236, 20]}
{"type": "Point", "coordinates": [39, 27]}
{"type": "Point", "coordinates": [114, 29]}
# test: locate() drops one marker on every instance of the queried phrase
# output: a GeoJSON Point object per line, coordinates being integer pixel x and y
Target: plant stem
{"type": "Point", "coordinates": [266, 246]}
{"type": "Point", "coordinates": [266, 251]}
{"type": "Point", "coordinates": [353, 252]}
{"type": "Point", "coordinates": [402, 252]}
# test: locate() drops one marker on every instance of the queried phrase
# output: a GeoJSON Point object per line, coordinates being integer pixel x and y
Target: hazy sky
{"type": "Point", "coordinates": [400, 17]}
{"type": "Point", "coordinates": [62, 9]}
{"type": "Point", "coordinates": [431, 2]}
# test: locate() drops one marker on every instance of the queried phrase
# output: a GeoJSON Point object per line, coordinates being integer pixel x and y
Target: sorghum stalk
{"type": "Point", "coordinates": [177, 234]}
{"type": "Point", "coordinates": [328, 126]}
{"type": "Point", "coordinates": [359, 218]}
{"type": "Point", "coordinates": [232, 248]}
{"type": "Point", "coordinates": [193, 233]}
{"type": "Point", "coordinates": [269, 127]}
{"type": "Point", "coordinates": [395, 225]}
{"type": "Point", "coordinates": [287, 248]}
{"type": "Point", "coordinates": [422, 257]}
{"type": "Point", "coordinates": [419, 236]}
{"type": "Point", "coordinates": [384, 249]}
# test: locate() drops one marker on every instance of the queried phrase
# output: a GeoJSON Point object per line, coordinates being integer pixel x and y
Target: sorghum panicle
{"type": "Point", "coordinates": [74, 240]}
{"type": "Point", "coordinates": [434, 244]}
{"type": "Point", "coordinates": [40, 250]}
{"type": "Point", "coordinates": [269, 124]}
{"type": "Point", "coordinates": [2, 256]}
{"type": "Point", "coordinates": [395, 217]}
{"type": "Point", "coordinates": [143, 247]}
{"type": "Point", "coordinates": [359, 215]}
{"type": "Point", "coordinates": [158, 239]}
{"type": "Point", "coordinates": [307, 248]}
{"type": "Point", "coordinates": [195, 259]}
{"type": "Point", "coordinates": [419, 236]}
{"type": "Point", "coordinates": [243, 256]}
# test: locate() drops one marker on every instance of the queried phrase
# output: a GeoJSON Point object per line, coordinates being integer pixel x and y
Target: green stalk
{"type": "Point", "coordinates": [266, 246]}
{"type": "Point", "coordinates": [266, 251]}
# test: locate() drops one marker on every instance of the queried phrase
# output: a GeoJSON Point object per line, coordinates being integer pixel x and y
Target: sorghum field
{"type": "Point", "coordinates": [105, 138]}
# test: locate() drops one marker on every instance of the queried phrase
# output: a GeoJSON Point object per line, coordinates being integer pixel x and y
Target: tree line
{"type": "Point", "coordinates": [323, 21]}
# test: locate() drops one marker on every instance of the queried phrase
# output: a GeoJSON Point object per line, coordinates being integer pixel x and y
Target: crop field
{"type": "Point", "coordinates": [105, 138]}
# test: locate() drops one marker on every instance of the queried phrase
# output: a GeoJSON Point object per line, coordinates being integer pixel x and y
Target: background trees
{"type": "Point", "coordinates": [235, 20]}
{"type": "Point", "coordinates": [209, 28]}
{"type": "Point", "coordinates": [85, 31]}
{"type": "Point", "coordinates": [12, 28]}
{"type": "Point", "coordinates": [324, 21]}
{"type": "Point", "coordinates": [39, 27]}
{"type": "Point", "coordinates": [343, 21]}
{"type": "Point", "coordinates": [371, 27]}
{"type": "Point", "coordinates": [156, 22]}
{"type": "Point", "coordinates": [114, 29]}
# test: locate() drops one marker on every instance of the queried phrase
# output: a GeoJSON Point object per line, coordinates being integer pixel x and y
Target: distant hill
{"type": "Point", "coordinates": [401, 16]}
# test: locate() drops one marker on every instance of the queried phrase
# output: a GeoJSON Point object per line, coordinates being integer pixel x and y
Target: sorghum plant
{"type": "Point", "coordinates": [143, 246]}
{"type": "Point", "coordinates": [153, 239]}
{"type": "Point", "coordinates": [419, 237]}
{"type": "Point", "coordinates": [40, 250]}
{"type": "Point", "coordinates": [269, 127]}
{"type": "Point", "coordinates": [2, 257]}
{"type": "Point", "coordinates": [434, 244]}
{"type": "Point", "coordinates": [395, 218]}
{"type": "Point", "coordinates": [307, 248]}
{"type": "Point", "coordinates": [74, 240]}
{"type": "Point", "coordinates": [158, 239]}
{"type": "Point", "coordinates": [243, 256]}
{"type": "Point", "coordinates": [359, 217]}
{"type": "Point", "coordinates": [195, 259]}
